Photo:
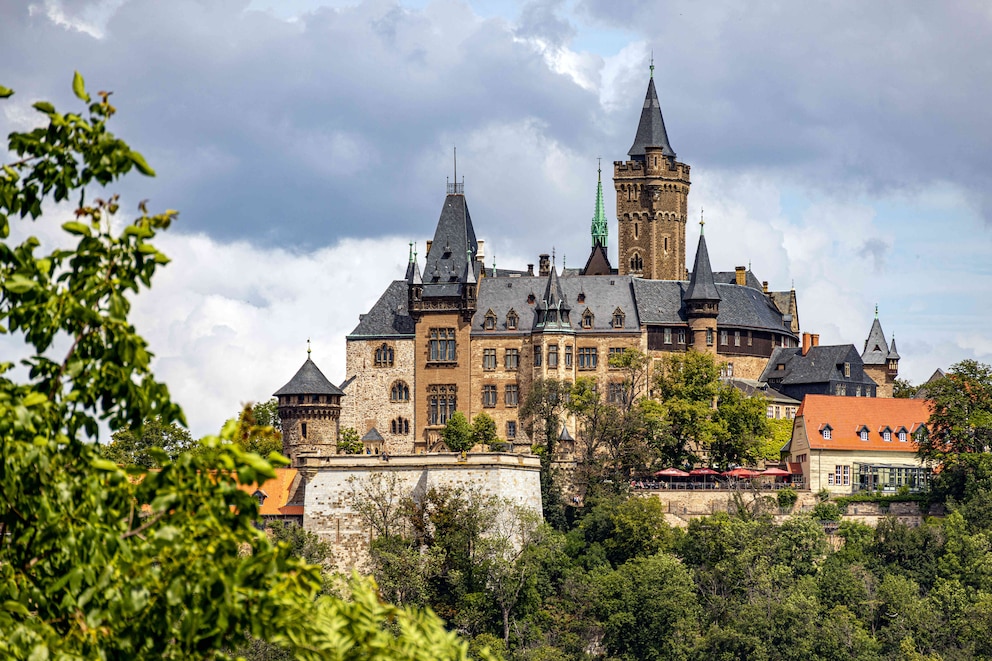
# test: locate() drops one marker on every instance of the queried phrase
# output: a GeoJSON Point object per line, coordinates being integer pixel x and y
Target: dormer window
{"type": "Point", "coordinates": [511, 320]}
{"type": "Point", "coordinates": [847, 370]}
{"type": "Point", "coordinates": [618, 318]}
{"type": "Point", "coordinates": [531, 298]}
{"type": "Point", "coordinates": [901, 433]}
{"type": "Point", "coordinates": [863, 432]}
{"type": "Point", "coordinates": [886, 433]}
{"type": "Point", "coordinates": [826, 431]}
{"type": "Point", "coordinates": [490, 322]}
{"type": "Point", "coordinates": [582, 297]}
{"type": "Point", "coordinates": [587, 319]}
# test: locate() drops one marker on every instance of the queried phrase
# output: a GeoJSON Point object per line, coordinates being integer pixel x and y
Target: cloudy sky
{"type": "Point", "coordinates": [843, 147]}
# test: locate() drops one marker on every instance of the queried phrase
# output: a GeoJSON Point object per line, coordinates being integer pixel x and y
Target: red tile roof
{"type": "Point", "coordinates": [278, 493]}
{"type": "Point", "coordinates": [847, 415]}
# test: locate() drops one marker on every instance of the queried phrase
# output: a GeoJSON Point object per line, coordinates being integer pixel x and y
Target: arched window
{"type": "Point", "coordinates": [400, 392]}
{"type": "Point", "coordinates": [384, 356]}
{"type": "Point", "coordinates": [636, 263]}
{"type": "Point", "coordinates": [399, 426]}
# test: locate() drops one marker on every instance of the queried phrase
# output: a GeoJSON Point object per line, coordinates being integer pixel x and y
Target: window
{"type": "Point", "coordinates": [709, 337]}
{"type": "Point", "coordinates": [511, 429]}
{"type": "Point", "coordinates": [400, 392]}
{"type": "Point", "coordinates": [668, 336]}
{"type": "Point", "coordinates": [616, 393]}
{"type": "Point", "coordinates": [790, 412]}
{"type": "Point", "coordinates": [840, 389]}
{"type": "Point", "coordinates": [615, 353]}
{"type": "Point", "coordinates": [737, 338]}
{"type": "Point", "coordinates": [399, 426]}
{"type": "Point", "coordinates": [512, 359]}
{"type": "Point", "coordinates": [538, 356]}
{"type": "Point", "coordinates": [490, 323]}
{"type": "Point", "coordinates": [723, 338]}
{"type": "Point", "coordinates": [511, 394]}
{"type": "Point", "coordinates": [857, 391]}
{"type": "Point", "coordinates": [587, 319]}
{"type": "Point", "coordinates": [553, 357]}
{"type": "Point", "coordinates": [666, 244]}
{"type": "Point", "coordinates": [636, 263]}
{"type": "Point", "coordinates": [635, 224]}
{"type": "Point", "coordinates": [587, 358]}
{"type": "Point", "coordinates": [886, 435]}
{"type": "Point", "coordinates": [863, 434]}
{"type": "Point", "coordinates": [618, 318]}
{"type": "Point", "coordinates": [489, 359]}
{"type": "Point", "coordinates": [442, 345]}
{"type": "Point", "coordinates": [749, 338]}
{"type": "Point", "coordinates": [511, 320]}
{"type": "Point", "coordinates": [681, 336]}
{"type": "Point", "coordinates": [303, 429]}
{"type": "Point", "coordinates": [902, 436]}
{"type": "Point", "coordinates": [581, 298]}
{"type": "Point", "coordinates": [300, 399]}
{"type": "Point", "coordinates": [770, 411]}
{"type": "Point", "coordinates": [730, 370]}
{"type": "Point", "coordinates": [489, 396]}
{"type": "Point", "coordinates": [384, 356]}
{"type": "Point", "coordinates": [568, 355]}
{"type": "Point", "coordinates": [827, 433]}
{"type": "Point", "coordinates": [441, 402]}
{"type": "Point", "coordinates": [841, 476]}
{"type": "Point", "coordinates": [847, 370]}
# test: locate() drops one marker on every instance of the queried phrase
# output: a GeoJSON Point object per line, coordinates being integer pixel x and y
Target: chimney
{"type": "Point", "coordinates": [807, 342]}
{"type": "Point", "coordinates": [544, 265]}
{"type": "Point", "coordinates": [530, 269]}
{"type": "Point", "coordinates": [764, 285]}
{"type": "Point", "coordinates": [481, 255]}
{"type": "Point", "coordinates": [816, 339]}
{"type": "Point", "coordinates": [741, 276]}
{"type": "Point", "coordinates": [427, 252]}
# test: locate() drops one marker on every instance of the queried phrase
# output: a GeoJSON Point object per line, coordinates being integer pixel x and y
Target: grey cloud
{"type": "Point", "coordinates": [541, 19]}
{"type": "Point", "coordinates": [874, 249]}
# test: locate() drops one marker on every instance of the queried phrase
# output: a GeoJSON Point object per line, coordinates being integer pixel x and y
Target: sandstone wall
{"type": "Point", "coordinates": [367, 402]}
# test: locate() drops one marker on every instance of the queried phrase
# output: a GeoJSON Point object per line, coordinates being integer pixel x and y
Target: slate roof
{"type": "Point", "coordinates": [659, 302]}
{"type": "Point", "coordinates": [309, 380]}
{"type": "Point", "coordinates": [730, 278]}
{"type": "Point", "coordinates": [372, 435]}
{"type": "Point", "coordinates": [819, 365]}
{"type": "Point", "coordinates": [603, 295]}
{"type": "Point", "coordinates": [389, 317]}
{"type": "Point", "coordinates": [448, 259]}
{"type": "Point", "coordinates": [847, 415]}
{"type": "Point", "coordinates": [651, 127]}
{"type": "Point", "coordinates": [751, 386]}
{"type": "Point", "coordinates": [876, 347]}
{"type": "Point", "coordinates": [702, 286]}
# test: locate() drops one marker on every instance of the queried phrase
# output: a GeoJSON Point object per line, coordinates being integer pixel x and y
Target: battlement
{"type": "Point", "coordinates": [639, 169]}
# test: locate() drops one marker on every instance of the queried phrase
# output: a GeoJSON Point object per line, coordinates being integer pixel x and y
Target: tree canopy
{"type": "Point", "coordinates": [961, 417]}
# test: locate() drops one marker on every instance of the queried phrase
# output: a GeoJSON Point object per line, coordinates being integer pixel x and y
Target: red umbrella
{"type": "Point", "coordinates": [671, 472]}
{"type": "Point", "coordinates": [775, 472]}
{"type": "Point", "coordinates": [741, 472]}
{"type": "Point", "coordinates": [703, 471]}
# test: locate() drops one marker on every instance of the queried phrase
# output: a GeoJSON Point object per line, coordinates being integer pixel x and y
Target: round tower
{"type": "Point", "coordinates": [702, 300]}
{"type": "Point", "coordinates": [310, 411]}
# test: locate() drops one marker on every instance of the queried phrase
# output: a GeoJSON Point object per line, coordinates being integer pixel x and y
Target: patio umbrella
{"type": "Point", "coordinates": [671, 472]}
{"type": "Point", "coordinates": [705, 472]}
{"type": "Point", "coordinates": [741, 473]}
{"type": "Point", "coordinates": [776, 472]}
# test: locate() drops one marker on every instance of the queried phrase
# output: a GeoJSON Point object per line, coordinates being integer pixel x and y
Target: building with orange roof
{"type": "Point", "coordinates": [851, 444]}
{"type": "Point", "coordinates": [280, 498]}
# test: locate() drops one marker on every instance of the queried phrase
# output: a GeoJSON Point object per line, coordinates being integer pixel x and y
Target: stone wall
{"type": "Point", "coordinates": [367, 401]}
{"type": "Point", "coordinates": [331, 483]}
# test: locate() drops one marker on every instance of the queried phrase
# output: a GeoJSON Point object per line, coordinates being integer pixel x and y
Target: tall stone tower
{"type": "Point", "coordinates": [652, 191]}
{"type": "Point", "coordinates": [881, 359]}
{"type": "Point", "coordinates": [310, 411]}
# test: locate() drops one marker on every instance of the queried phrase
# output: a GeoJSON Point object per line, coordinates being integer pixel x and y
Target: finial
{"type": "Point", "coordinates": [494, 265]}
{"type": "Point", "coordinates": [552, 255]}
{"type": "Point", "coordinates": [454, 151]}
{"type": "Point", "coordinates": [563, 262]}
{"type": "Point", "coordinates": [308, 348]}
{"type": "Point", "coordinates": [599, 167]}
{"type": "Point", "coordinates": [876, 310]}
{"type": "Point", "coordinates": [749, 265]}
{"type": "Point", "coordinates": [702, 222]}
{"type": "Point", "coordinates": [652, 63]}
{"type": "Point", "coordinates": [411, 252]}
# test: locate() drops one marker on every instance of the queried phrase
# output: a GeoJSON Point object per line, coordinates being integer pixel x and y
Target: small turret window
{"type": "Point", "coordinates": [303, 429]}
{"type": "Point", "coordinates": [384, 356]}
{"type": "Point", "coordinates": [636, 263]}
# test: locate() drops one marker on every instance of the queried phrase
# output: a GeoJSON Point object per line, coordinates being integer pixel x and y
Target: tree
{"type": "Point", "coordinates": [349, 442]}
{"type": "Point", "coordinates": [133, 447]}
{"type": "Point", "coordinates": [543, 406]}
{"type": "Point", "coordinates": [101, 562]}
{"type": "Point", "coordinates": [687, 385]}
{"type": "Point", "coordinates": [903, 389]}
{"type": "Point", "coordinates": [255, 430]}
{"type": "Point", "coordinates": [457, 433]}
{"type": "Point", "coordinates": [741, 427]}
{"type": "Point", "coordinates": [484, 430]}
{"type": "Point", "coordinates": [961, 419]}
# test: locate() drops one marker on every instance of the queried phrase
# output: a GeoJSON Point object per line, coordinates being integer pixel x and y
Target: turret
{"type": "Point", "coordinates": [702, 300]}
{"type": "Point", "coordinates": [309, 410]}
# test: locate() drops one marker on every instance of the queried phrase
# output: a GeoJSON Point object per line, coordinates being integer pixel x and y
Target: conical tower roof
{"type": "Point", "coordinates": [702, 287]}
{"type": "Point", "coordinates": [651, 128]}
{"type": "Point", "coordinates": [876, 347]}
{"type": "Point", "coordinates": [454, 240]}
{"type": "Point", "coordinates": [309, 380]}
{"type": "Point", "coordinates": [600, 226]}
{"type": "Point", "coordinates": [554, 298]}
{"type": "Point", "coordinates": [893, 354]}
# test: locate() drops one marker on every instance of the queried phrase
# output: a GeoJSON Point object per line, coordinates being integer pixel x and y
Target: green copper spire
{"type": "Point", "coordinates": [600, 229]}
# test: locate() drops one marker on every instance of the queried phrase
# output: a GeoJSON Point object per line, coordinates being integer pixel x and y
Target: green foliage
{"type": "Point", "coordinates": [255, 431]}
{"type": "Point", "coordinates": [621, 529]}
{"type": "Point", "coordinates": [779, 433]}
{"type": "Point", "coordinates": [458, 433]}
{"type": "Point", "coordinates": [349, 441]}
{"type": "Point", "coordinates": [484, 430]}
{"type": "Point", "coordinates": [130, 447]}
{"type": "Point", "coordinates": [543, 406]}
{"type": "Point", "coordinates": [903, 389]}
{"type": "Point", "coordinates": [961, 420]}
{"type": "Point", "coordinates": [741, 427]}
{"type": "Point", "coordinates": [97, 561]}
{"type": "Point", "coordinates": [827, 511]}
{"type": "Point", "coordinates": [787, 498]}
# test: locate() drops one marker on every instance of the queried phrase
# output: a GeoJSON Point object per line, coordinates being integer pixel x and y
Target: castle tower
{"type": "Point", "coordinates": [599, 262]}
{"type": "Point", "coordinates": [652, 192]}
{"type": "Point", "coordinates": [881, 360]}
{"type": "Point", "coordinates": [702, 301]}
{"type": "Point", "coordinates": [310, 410]}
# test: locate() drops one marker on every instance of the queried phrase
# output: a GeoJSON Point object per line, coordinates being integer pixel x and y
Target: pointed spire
{"type": "Point", "coordinates": [308, 347]}
{"type": "Point", "coordinates": [600, 226]}
{"type": "Point", "coordinates": [469, 268]}
{"type": "Point", "coordinates": [702, 286]}
{"type": "Point", "coordinates": [893, 354]}
{"type": "Point", "coordinates": [651, 127]}
{"type": "Point", "coordinates": [411, 264]}
{"type": "Point", "coordinates": [876, 347]}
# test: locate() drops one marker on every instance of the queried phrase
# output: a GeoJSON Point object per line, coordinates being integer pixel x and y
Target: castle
{"type": "Point", "coordinates": [455, 335]}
